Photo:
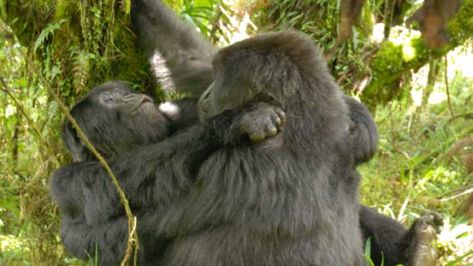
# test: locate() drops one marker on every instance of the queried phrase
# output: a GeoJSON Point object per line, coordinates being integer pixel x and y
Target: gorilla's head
{"type": "Point", "coordinates": [287, 69]}
{"type": "Point", "coordinates": [115, 119]}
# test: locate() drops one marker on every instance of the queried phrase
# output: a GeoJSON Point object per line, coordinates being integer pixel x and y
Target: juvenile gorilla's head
{"type": "Point", "coordinates": [115, 119]}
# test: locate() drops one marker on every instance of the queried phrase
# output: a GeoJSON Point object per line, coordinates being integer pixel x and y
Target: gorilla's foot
{"type": "Point", "coordinates": [422, 250]}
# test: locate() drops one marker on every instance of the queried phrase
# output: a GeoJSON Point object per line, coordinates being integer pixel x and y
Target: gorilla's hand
{"type": "Point", "coordinates": [258, 122]}
{"type": "Point", "coordinates": [264, 122]}
{"type": "Point", "coordinates": [422, 251]}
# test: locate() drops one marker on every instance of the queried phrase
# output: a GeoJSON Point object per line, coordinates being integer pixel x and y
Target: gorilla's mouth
{"type": "Point", "coordinates": [144, 105]}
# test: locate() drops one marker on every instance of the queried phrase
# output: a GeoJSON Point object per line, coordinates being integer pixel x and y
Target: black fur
{"type": "Point", "coordinates": [387, 232]}
{"type": "Point", "coordinates": [363, 131]}
{"type": "Point", "coordinates": [292, 200]}
{"type": "Point", "coordinates": [152, 174]}
{"type": "Point", "coordinates": [180, 57]}
{"type": "Point", "coordinates": [100, 119]}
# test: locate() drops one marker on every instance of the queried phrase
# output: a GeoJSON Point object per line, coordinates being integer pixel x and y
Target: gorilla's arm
{"type": "Point", "coordinates": [180, 57]}
{"type": "Point", "coordinates": [93, 226]}
{"type": "Point", "coordinates": [105, 242]}
{"type": "Point", "coordinates": [150, 176]}
{"type": "Point", "coordinates": [391, 243]}
{"type": "Point", "coordinates": [386, 236]}
{"type": "Point", "coordinates": [147, 174]}
{"type": "Point", "coordinates": [180, 114]}
{"type": "Point", "coordinates": [174, 47]}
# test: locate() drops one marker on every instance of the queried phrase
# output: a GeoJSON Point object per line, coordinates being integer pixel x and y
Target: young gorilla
{"type": "Point", "coordinates": [187, 56]}
{"type": "Point", "coordinates": [126, 127]}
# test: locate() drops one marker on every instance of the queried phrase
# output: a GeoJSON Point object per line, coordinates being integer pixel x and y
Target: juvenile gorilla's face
{"type": "Point", "coordinates": [118, 97]}
{"type": "Point", "coordinates": [116, 119]}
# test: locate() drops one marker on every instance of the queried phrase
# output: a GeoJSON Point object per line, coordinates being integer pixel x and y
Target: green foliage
{"type": "Point", "coordinates": [71, 46]}
{"type": "Point", "coordinates": [47, 32]}
{"type": "Point", "coordinates": [301, 14]}
{"type": "Point", "coordinates": [387, 58]}
{"type": "Point", "coordinates": [384, 66]}
{"type": "Point", "coordinates": [387, 72]}
{"type": "Point", "coordinates": [199, 13]}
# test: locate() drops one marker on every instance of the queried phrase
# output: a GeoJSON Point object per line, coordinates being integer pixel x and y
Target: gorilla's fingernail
{"type": "Point", "coordinates": [256, 138]}
{"type": "Point", "coordinates": [278, 120]}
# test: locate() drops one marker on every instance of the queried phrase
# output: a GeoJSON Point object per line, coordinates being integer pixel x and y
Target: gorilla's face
{"type": "Point", "coordinates": [224, 94]}
{"type": "Point", "coordinates": [116, 119]}
{"type": "Point", "coordinates": [118, 97]}
{"type": "Point", "coordinates": [241, 77]}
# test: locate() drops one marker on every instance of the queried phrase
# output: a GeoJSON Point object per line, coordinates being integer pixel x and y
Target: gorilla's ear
{"type": "Point", "coordinates": [74, 144]}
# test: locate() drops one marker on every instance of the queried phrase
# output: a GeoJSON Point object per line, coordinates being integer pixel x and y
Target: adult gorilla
{"type": "Point", "coordinates": [292, 200]}
{"type": "Point", "coordinates": [126, 127]}
{"type": "Point", "coordinates": [186, 55]}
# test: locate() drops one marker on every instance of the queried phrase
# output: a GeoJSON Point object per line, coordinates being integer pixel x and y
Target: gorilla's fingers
{"type": "Point", "coordinates": [256, 137]}
{"type": "Point", "coordinates": [276, 119]}
{"type": "Point", "coordinates": [271, 130]}
{"type": "Point", "coordinates": [262, 122]}
{"type": "Point", "coordinates": [282, 115]}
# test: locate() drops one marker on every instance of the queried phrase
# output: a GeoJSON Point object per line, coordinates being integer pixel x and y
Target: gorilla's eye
{"type": "Point", "coordinates": [107, 97]}
{"type": "Point", "coordinates": [112, 96]}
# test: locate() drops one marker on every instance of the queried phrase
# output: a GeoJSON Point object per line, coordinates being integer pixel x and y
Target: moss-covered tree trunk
{"type": "Point", "coordinates": [384, 65]}
{"type": "Point", "coordinates": [78, 44]}
{"type": "Point", "coordinates": [392, 61]}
